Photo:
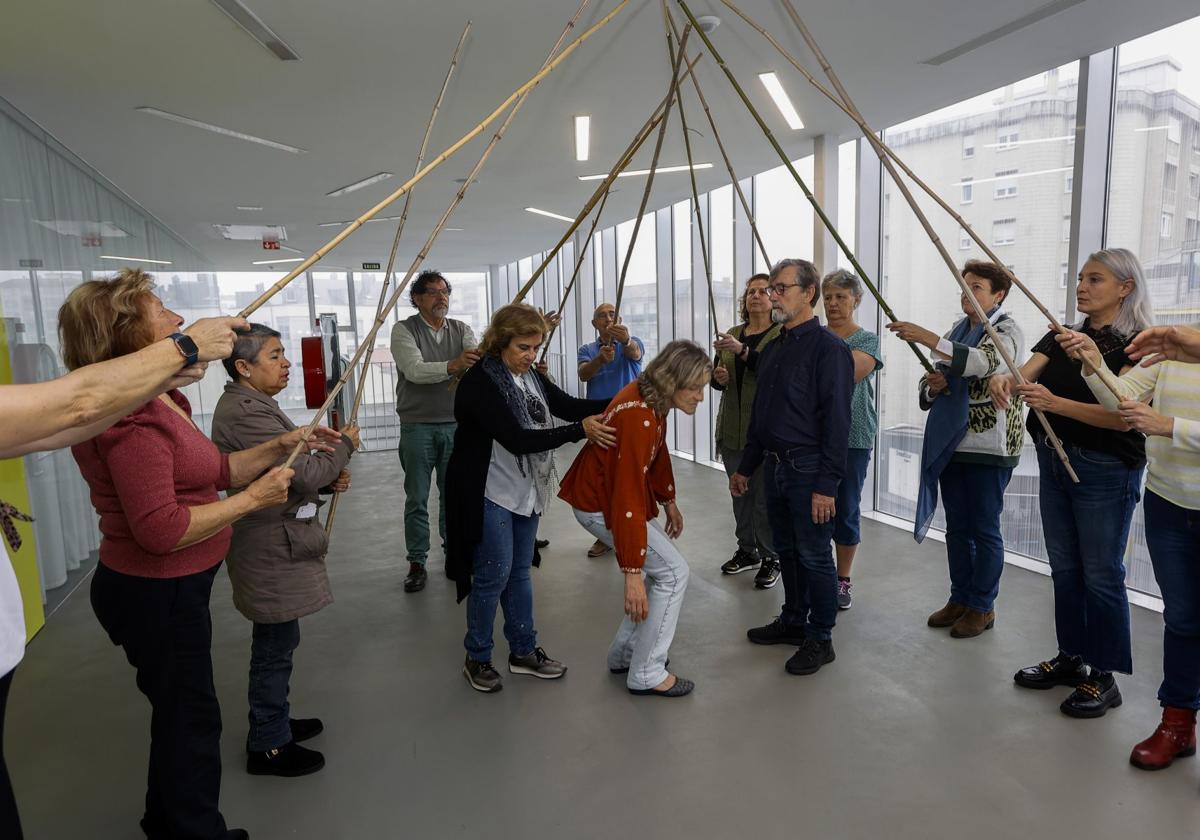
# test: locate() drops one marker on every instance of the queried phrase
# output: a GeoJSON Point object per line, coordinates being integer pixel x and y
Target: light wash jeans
{"type": "Point", "coordinates": [643, 647]}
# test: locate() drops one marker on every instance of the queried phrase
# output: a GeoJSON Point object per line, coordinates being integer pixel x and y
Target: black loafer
{"type": "Point", "coordinates": [1061, 670]}
{"type": "Point", "coordinates": [1091, 700]}
{"type": "Point", "coordinates": [417, 576]}
{"type": "Point", "coordinates": [681, 688]}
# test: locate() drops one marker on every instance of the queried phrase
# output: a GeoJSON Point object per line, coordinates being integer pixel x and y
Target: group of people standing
{"type": "Point", "coordinates": [795, 429]}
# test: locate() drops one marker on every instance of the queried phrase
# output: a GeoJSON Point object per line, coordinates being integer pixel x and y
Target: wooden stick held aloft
{"type": "Point", "coordinates": [433, 164]}
{"type": "Point", "coordinates": [574, 275]}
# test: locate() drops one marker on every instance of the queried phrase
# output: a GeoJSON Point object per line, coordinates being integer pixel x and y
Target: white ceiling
{"type": "Point", "coordinates": [370, 69]}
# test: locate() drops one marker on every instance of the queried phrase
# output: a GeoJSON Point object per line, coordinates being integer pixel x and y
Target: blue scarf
{"type": "Point", "coordinates": [945, 428]}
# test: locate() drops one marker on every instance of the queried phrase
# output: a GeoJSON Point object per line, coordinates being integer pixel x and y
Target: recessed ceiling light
{"type": "Point", "coordinates": [583, 128]}
{"type": "Point", "coordinates": [248, 207]}
{"type": "Point", "coordinates": [279, 262]}
{"type": "Point", "coordinates": [782, 101]}
{"type": "Point", "coordinates": [293, 250]}
{"type": "Point", "coordinates": [458, 230]}
{"type": "Point", "coordinates": [257, 30]}
{"type": "Point", "coordinates": [228, 132]}
{"type": "Point", "coordinates": [358, 185]}
{"type": "Point", "coordinates": [548, 213]}
{"type": "Point", "coordinates": [367, 222]}
{"type": "Point", "coordinates": [632, 173]}
{"type": "Point", "coordinates": [135, 259]}
{"type": "Point", "coordinates": [65, 227]}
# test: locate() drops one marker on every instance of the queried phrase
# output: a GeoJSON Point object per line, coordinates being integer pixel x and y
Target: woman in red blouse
{"type": "Point", "coordinates": [616, 493]}
{"type": "Point", "coordinates": [154, 478]}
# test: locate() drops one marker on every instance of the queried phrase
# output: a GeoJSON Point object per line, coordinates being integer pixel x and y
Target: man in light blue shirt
{"type": "Point", "coordinates": [607, 365]}
{"type": "Point", "coordinates": [613, 360]}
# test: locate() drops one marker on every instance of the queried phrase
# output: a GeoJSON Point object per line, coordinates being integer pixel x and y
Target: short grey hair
{"type": "Point", "coordinates": [1136, 313]}
{"type": "Point", "coordinates": [843, 279]}
{"type": "Point", "coordinates": [806, 275]}
{"type": "Point", "coordinates": [248, 345]}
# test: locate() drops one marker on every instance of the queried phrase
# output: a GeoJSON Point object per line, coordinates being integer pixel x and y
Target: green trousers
{"type": "Point", "coordinates": [424, 449]}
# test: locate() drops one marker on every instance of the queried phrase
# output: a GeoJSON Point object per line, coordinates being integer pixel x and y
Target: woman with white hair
{"type": "Point", "coordinates": [1086, 525]}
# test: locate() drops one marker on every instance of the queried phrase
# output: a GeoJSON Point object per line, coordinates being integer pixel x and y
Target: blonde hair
{"type": "Point", "coordinates": [508, 322]}
{"type": "Point", "coordinates": [103, 319]}
{"type": "Point", "coordinates": [679, 365]}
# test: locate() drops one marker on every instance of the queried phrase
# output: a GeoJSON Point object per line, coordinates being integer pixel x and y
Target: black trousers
{"type": "Point", "coordinates": [10, 820]}
{"type": "Point", "coordinates": [165, 629]}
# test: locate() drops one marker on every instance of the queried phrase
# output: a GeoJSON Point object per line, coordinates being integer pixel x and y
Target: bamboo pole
{"type": "Point", "coordinates": [883, 304]}
{"type": "Point", "coordinates": [881, 147]}
{"type": "Point", "coordinates": [687, 147]}
{"type": "Point", "coordinates": [424, 252]}
{"type": "Point", "coordinates": [626, 157]}
{"type": "Point", "coordinates": [433, 164]}
{"type": "Point", "coordinates": [929, 230]}
{"type": "Point", "coordinates": [712, 124]}
{"type": "Point", "coordinates": [387, 274]}
{"type": "Point", "coordinates": [672, 92]}
{"type": "Point", "coordinates": [574, 275]}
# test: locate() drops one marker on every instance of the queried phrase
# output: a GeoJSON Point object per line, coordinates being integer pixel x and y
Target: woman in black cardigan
{"type": "Point", "coordinates": [497, 485]}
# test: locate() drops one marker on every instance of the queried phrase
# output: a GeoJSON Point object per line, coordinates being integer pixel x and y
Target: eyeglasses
{"type": "Point", "coordinates": [780, 289]}
{"type": "Point", "coordinates": [439, 292]}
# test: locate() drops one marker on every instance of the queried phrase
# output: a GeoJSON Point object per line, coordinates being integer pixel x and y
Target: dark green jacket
{"type": "Point", "coordinates": [733, 417]}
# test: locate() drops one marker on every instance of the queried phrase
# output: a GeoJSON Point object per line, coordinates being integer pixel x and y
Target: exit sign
{"type": "Point", "coordinates": [371, 266]}
{"type": "Point", "coordinates": [270, 244]}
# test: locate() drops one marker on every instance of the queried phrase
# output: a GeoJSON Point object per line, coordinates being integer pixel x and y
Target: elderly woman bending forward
{"type": "Point", "coordinates": [277, 557]}
{"type": "Point", "coordinates": [616, 493]}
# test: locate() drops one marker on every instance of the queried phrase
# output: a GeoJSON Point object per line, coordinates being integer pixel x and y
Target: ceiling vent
{"type": "Point", "coordinates": [1037, 15]}
{"type": "Point", "coordinates": [257, 30]}
{"type": "Point", "coordinates": [108, 230]}
{"type": "Point", "coordinates": [252, 233]}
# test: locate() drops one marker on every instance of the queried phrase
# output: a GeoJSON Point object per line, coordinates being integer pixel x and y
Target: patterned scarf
{"type": "Point", "coordinates": [530, 411]}
{"type": "Point", "coordinates": [7, 514]}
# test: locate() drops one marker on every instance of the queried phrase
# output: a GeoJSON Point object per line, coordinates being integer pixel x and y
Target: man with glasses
{"type": "Point", "coordinates": [800, 432]}
{"type": "Point", "coordinates": [430, 350]}
{"type": "Point", "coordinates": [607, 365]}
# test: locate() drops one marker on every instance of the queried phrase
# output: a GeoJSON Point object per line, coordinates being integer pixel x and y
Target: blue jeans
{"type": "Point", "coordinates": [424, 449]}
{"type": "Point", "coordinates": [1173, 537]}
{"type": "Point", "coordinates": [1086, 527]}
{"type": "Point", "coordinates": [973, 498]}
{"type": "Point", "coordinates": [805, 549]}
{"type": "Point", "coordinates": [271, 650]}
{"type": "Point", "coordinates": [502, 562]}
{"type": "Point", "coordinates": [848, 519]}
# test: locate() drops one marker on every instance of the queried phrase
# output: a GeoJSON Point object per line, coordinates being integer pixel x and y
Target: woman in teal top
{"type": "Point", "coordinates": [843, 293]}
{"type": "Point", "coordinates": [737, 384]}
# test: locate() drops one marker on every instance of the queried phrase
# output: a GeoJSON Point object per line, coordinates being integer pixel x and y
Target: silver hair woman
{"type": "Point", "coordinates": [843, 292]}
{"type": "Point", "coordinates": [1086, 525]}
{"type": "Point", "coordinates": [616, 493]}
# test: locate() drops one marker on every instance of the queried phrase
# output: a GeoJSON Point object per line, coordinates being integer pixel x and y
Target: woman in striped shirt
{"type": "Point", "coordinates": [1172, 510]}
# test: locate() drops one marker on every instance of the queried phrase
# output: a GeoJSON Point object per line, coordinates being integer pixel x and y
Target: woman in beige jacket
{"type": "Point", "coordinates": [277, 558]}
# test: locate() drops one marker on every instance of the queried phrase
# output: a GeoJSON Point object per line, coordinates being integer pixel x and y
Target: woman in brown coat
{"type": "Point", "coordinates": [277, 558]}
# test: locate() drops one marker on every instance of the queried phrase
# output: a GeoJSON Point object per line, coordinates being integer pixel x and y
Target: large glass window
{"type": "Point", "coordinates": [782, 213]}
{"type": "Point", "coordinates": [1000, 159]}
{"type": "Point", "coordinates": [1153, 207]}
{"type": "Point", "coordinates": [639, 304]}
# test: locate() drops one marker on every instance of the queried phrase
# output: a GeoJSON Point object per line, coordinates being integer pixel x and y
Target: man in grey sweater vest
{"type": "Point", "coordinates": [430, 350]}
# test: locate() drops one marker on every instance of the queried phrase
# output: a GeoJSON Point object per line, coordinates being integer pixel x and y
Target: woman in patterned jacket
{"type": "Point", "coordinates": [970, 449]}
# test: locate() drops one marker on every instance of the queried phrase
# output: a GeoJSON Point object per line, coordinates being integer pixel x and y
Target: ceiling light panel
{"type": "Point", "coordinates": [782, 101]}
{"type": "Point", "coordinates": [633, 173]}
{"type": "Point", "coordinates": [358, 185]}
{"type": "Point", "coordinates": [65, 227]}
{"type": "Point", "coordinates": [280, 262]}
{"type": "Point", "coordinates": [135, 259]}
{"type": "Point", "coordinates": [257, 30]}
{"type": "Point", "coordinates": [548, 213]}
{"type": "Point", "coordinates": [583, 130]}
{"type": "Point", "coordinates": [216, 129]}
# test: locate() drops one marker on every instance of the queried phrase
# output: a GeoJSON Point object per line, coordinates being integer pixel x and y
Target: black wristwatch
{"type": "Point", "coordinates": [187, 348]}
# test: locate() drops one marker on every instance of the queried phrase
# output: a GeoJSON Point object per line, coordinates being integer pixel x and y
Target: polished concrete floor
{"type": "Point", "coordinates": [909, 734]}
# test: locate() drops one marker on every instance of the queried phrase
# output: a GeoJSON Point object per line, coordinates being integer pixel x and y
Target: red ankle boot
{"type": "Point", "coordinates": [1174, 738]}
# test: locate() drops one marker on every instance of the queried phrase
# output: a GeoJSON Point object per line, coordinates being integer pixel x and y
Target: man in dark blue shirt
{"type": "Point", "coordinates": [800, 431]}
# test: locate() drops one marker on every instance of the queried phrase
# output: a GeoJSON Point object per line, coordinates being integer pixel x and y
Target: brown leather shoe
{"type": "Point", "coordinates": [1174, 738]}
{"type": "Point", "coordinates": [947, 615]}
{"type": "Point", "coordinates": [972, 623]}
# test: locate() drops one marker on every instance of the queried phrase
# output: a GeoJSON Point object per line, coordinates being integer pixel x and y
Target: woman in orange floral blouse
{"type": "Point", "coordinates": [616, 493]}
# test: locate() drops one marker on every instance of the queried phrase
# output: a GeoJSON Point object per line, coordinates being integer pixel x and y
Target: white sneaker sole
{"type": "Point", "coordinates": [530, 672]}
{"type": "Point", "coordinates": [481, 688]}
{"type": "Point", "coordinates": [740, 570]}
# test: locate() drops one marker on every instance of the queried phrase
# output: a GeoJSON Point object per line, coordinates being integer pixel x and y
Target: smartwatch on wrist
{"type": "Point", "coordinates": [187, 348]}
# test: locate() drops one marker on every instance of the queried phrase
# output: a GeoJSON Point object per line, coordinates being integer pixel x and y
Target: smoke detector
{"type": "Point", "coordinates": [708, 23]}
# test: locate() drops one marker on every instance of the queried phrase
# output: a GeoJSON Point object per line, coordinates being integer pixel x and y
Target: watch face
{"type": "Point", "coordinates": [185, 342]}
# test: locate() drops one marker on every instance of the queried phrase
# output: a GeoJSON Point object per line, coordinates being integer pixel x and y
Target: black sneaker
{"type": "Point", "coordinates": [810, 656]}
{"type": "Point", "coordinates": [768, 574]}
{"type": "Point", "coordinates": [776, 633]}
{"type": "Point", "coordinates": [482, 676]}
{"type": "Point", "coordinates": [1061, 670]}
{"type": "Point", "coordinates": [741, 561]}
{"type": "Point", "coordinates": [305, 728]}
{"type": "Point", "coordinates": [289, 760]}
{"type": "Point", "coordinates": [416, 579]}
{"type": "Point", "coordinates": [540, 544]}
{"type": "Point", "coordinates": [1092, 699]}
{"type": "Point", "coordinates": [536, 664]}
{"type": "Point", "coordinates": [845, 593]}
